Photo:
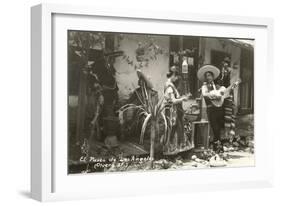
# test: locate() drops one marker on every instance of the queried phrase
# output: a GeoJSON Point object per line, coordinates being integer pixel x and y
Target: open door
{"type": "Point", "coordinates": [217, 57]}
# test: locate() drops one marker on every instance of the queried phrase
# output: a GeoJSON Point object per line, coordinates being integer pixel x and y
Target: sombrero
{"type": "Point", "coordinates": [142, 76]}
{"type": "Point", "coordinates": [207, 68]}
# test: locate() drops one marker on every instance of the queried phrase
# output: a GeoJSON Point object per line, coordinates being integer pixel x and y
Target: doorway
{"type": "Point", "coordinates": [217, 57]}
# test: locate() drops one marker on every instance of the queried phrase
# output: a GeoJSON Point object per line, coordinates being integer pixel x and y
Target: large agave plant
{"type": "Point", "coordinates": [150, 112]}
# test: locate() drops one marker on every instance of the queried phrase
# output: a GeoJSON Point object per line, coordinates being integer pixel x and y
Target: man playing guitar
{"type": "Point", "coordinates": [214, 96]}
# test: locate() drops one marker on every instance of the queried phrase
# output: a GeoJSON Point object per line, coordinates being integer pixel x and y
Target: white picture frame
{"type": "Point", "coordinates": [47, 175]}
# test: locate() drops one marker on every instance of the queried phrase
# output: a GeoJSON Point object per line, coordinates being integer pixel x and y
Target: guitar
{"type": "Point", "coordinates": [222, 93]}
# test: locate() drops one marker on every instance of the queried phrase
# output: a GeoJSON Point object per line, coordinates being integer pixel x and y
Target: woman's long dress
{"type": "Point", "coordinates": [177, 140]}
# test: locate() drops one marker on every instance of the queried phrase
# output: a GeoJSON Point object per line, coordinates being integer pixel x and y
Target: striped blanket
{"type": "Point", "coordinates": [229, 118]}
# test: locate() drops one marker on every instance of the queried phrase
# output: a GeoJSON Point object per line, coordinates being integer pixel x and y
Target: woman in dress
{"type": "Point", "coordinates": [177, 141]}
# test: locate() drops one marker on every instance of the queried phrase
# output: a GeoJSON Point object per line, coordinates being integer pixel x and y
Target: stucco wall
{"type": "Point", "coordinates": [234, 51]}
{"type": "Point", "coordinates": [156, 70]}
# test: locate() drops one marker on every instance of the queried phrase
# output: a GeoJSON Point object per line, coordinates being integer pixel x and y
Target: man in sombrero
{"type": "Point", "coordinates": [207, 74]}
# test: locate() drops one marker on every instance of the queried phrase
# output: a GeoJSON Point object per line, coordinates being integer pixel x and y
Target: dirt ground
{"type": "Point", "coordinates": [234, 159]}
{"type": "Point", "coordinates": [238, 153]}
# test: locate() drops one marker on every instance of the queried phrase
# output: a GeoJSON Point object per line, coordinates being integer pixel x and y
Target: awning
{"type": "Point", "coordinates": [243, 43]}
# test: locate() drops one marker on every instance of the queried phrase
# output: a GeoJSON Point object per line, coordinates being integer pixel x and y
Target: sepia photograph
{"type": "Point", "coordinates": [150, 102]}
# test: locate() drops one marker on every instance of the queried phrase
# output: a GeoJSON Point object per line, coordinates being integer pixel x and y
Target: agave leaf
{"type": "Point", "coordinates": [144, 97]}
{"type": "Point", "coordinates": [153, 112]}
{"type": "Point", "coordinates": [140, 116]}
{"type": "Point", "coordinates": [140, 108]}
{"type": "Point", "coordinates": [127, 105]}
{"type": "Point", "coordinates": [130, 106]}
{"type": "Point", "coordinates": [160, 107]}
{"type": "Point", "coordinates": [161, 100]}
{"type": "Point", "coordinates": [148, 97]}
{"type": "Point", "coordinates": [127, 108]}
{"type": "Point", "coordinates": [144, 125]}
{"type": "Point", "coordinates": [140, 99]}
{"type": "Point", "coordinates": [142, 113]}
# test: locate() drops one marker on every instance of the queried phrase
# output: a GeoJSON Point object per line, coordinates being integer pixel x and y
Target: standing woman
{"type": "Point", "coordinates": [177, 140]}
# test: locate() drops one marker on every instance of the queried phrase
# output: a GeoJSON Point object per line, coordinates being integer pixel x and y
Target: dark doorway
{"type": "Point", "coordinates": [217, 57]}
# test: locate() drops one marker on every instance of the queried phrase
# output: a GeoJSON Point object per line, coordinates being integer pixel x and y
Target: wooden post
{"type": "Point", "coordinates": [152, 141]}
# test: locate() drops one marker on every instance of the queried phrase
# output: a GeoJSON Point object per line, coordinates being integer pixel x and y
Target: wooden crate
{"type": "Point", "coordinates": [200, 134]}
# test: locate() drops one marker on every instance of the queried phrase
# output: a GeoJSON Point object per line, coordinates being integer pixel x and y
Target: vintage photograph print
{"type": "Point", "coordinates": [140, 102]}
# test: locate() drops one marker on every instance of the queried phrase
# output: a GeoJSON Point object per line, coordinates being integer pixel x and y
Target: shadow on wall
{"type": "Point", "coordinates": [156, 70]}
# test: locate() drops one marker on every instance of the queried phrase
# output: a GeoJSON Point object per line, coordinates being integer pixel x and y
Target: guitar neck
{"type": "Point", "coordinates": [228, 89]}
{"type": "Point", "coordinates": [232, 86]}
